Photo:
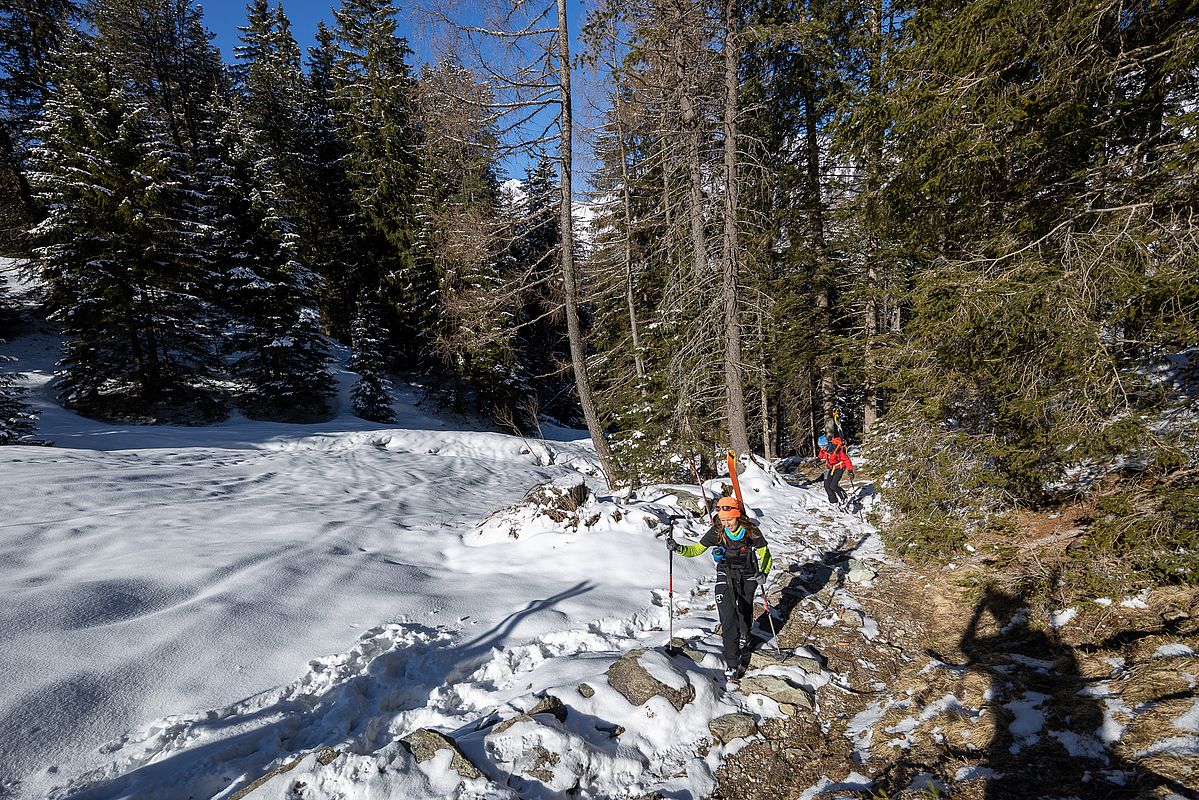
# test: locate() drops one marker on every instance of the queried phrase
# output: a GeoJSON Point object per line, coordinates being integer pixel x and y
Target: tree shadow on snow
{"type": "Point", "coordinates": [345, 716]}
{"type": "Point", "coordinates": [1046, 714]}
{"type": "Point", "coordinates": [806, 580]}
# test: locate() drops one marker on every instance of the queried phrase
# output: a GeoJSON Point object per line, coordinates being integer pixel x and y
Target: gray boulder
{"type": "Point", "coordinates": [780, 689]}
{"type": "Point", "coordinates": [424, 744]}
{"type": "Point", "coordinates": [763, 658]}
{"type": "Point", "coordinates": [635, 684]}
{"type": "Point", "coordinates": [860, 571]}
{"type": "Point", "coordinates": [550, 705]}
{"type": "Point", "coordinates": [684, 648]}
{"type": "Point", "coordinates": [732, 726]}
{"type": "Point", "coordinates": [691, 503]}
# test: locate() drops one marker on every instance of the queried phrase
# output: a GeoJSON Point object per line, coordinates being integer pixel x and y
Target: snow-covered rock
{"type": "Point", "coordinates": [633, 680]}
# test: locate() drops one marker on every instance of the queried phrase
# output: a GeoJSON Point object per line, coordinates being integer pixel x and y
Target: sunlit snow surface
{"type": "Point", "coordinates": [186, 608]}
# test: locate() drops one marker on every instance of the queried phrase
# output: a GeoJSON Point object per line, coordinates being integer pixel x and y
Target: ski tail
{"type": "Point", "coordinates": [736, 482]}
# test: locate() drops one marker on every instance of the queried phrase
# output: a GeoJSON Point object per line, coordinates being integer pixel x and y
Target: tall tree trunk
{"type": "Point", "coordinates": [764, 399]}
{"type": "Point", "coordinates": [870, 408]}
{"type": "Point", "coordinates": [734, 388]}
{"type": "Point", "coordinates": [813, 424]}
{"type": "Point", "coordinates": [870, 389]}
{"type": "Point", "coordinates": [634, 328]}
{"type": "Point", "coordinates": [566, 220]}
{"type": "Point", "coordinates": [824, 290]}
{"type": "Point", "coordinates": [691, 126]}
{"type": "Point", "coordinates": [667, 194]}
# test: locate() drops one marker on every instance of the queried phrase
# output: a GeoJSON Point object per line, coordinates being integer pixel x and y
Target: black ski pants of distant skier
{"type": "Point", "coordinates": [831, 480]}
{"type": "Point", "coordinates": [735, 604]}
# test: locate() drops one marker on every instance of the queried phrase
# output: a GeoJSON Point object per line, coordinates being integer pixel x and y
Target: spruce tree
{"type": "Point", "coordinates": [326, 216]}
{"type": "Point", "coordinates": [30, 31]}
{"type": "Point", "coordinates": [371, 394]}
{"type": "Point", "coordinates": [1044, 244]}
{"type": "Point", "coordinates": [274, 105]}
{"type": "Point", "coordinates": [18, 421]}
{"type": "Point", "coordinates": [164, 50]}
{"type": "Point", "coordinates": [115, 248]}
{"type": "Point", "coordinates": [279, 355]}
{"type": "Point", "coordinates": [372, 100]}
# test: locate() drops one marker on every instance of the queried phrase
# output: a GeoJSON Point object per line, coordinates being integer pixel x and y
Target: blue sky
{"type": "Point", "coordinates": [223, 17]}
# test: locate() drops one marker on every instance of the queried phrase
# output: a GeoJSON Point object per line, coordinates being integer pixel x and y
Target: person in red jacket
{"type": "Point", "coordinates": [836, 462]}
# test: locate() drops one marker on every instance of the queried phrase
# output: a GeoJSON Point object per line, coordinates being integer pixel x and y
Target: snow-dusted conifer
{"type": "Point", "coordinates": [371, 395]}
{"type": "Point", "coordinates": [300, 154]}
{"type": "Point", "coordinates": [327, 218]}
{"type": "Point", "coordinates": [163, 49]}
{"type": "Point", "coordinates": [30, 30]}
{"type": "Point", "coordinates": [115, 247]}
{"type": "Point", "coordinates": [278, 351]}
{"type": "Point", "coordinates": [372, 99]}
{"type": "Point", "coordinates": [274, 107]}
{"type": "Point", "coordinates": [18, 421]}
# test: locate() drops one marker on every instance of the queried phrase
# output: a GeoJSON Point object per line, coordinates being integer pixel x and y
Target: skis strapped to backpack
{"type": "Point", "coordinates": [736, 483]}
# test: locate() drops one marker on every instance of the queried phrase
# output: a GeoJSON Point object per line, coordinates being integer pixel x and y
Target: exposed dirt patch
{"type": "Point", "coordinates": [980, 685]}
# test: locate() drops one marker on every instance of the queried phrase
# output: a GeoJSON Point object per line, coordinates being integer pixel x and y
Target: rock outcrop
{"type": "Point", "coordinates": [637, 685]}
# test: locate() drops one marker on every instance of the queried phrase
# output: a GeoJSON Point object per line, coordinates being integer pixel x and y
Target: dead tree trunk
{"type": "Point", "coordinates": [569, 278]}
{"type": "Point", "coordinates": [734, 387]}
{"type": "Point", "coordinates": [634, 328]}
{"type": "Point", "coordinates": [824, 290]}
{"type": "Point", "coordinates": [690, 118]}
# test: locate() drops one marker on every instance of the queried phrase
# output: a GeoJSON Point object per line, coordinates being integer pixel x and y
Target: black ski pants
{"type": "Point", "coordinates": [735, 604]}
{"type": "Point", "coordinates": [832, 479]}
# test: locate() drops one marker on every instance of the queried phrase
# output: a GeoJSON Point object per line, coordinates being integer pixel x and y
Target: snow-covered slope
{"type": "Point", "coordinates": [189, 608]}
{"type": "Point", "coordinates": [157, 597]}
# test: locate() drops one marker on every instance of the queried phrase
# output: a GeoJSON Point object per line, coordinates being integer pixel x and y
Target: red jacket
{"type": "Point", "coordinates": [836, 457]}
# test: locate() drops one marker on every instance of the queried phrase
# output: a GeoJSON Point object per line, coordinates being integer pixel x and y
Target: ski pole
{"type": "Point", "coordinates": [670, 611]}
{"type": "Point", "coordinates": [770, 619]}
